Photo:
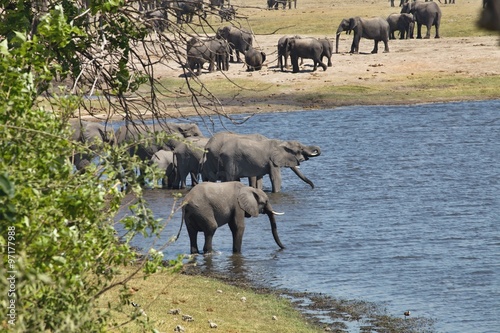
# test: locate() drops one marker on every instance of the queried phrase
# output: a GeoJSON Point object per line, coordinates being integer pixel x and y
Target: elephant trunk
{"type": "Point", "coordinates": [274, 229]}
{"type": "Point", "coordinates": [337, 43]}
{"type": "Point", "coordinates": [301, 176]}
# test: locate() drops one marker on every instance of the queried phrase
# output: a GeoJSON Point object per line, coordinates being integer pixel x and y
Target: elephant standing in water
{"type": "Point", "coordinates": [425, 13]}
{"type": "Point", "coordinates": [370, 28]}
{"type": "Point", "coordinates": [188, 154]}
{"type": "Point", "coordinates": [232, 156]}
{"type": "Point", "coordinates": [92, 134]}
{"type": "Point", "coordinates": [210, 205]}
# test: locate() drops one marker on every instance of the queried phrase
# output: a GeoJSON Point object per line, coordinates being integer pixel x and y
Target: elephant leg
{"type": "Point", "coordinates": [209, 235]}
{"type": "Point", "coordinates": [322, 64]}
{"type": "Point", "coordinates": [194, 179]}
{"type": "Point", "coordinates": [237, 229]}
{"type": "Point", "coordinates": [419, 30]}
{"type": "Point", "coordinates": [386, 45]}
{"type": "Point", "coordinates": [375, 47]}
{"type": "Point", "coordinates": [428, 33]}
{"type": "Point", "coordinates": [275, 176]}
{"type": "Point", "coordinates": [437, 31]}
{"type": "Point", "coordinates": [295, 63]}
{"type": "Point", "coordinates": [259, 183]}
{"type": "Point", "coordinates": [193, 240]}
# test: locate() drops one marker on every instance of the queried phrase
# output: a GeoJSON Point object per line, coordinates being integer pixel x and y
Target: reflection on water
{"type": "Point", "coordinates": [405, 212]}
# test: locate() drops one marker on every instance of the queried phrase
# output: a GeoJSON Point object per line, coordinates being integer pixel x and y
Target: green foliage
{"type": "Point", "coordinates": [57, 236]}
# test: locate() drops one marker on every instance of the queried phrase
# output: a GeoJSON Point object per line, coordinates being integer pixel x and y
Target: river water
{"type": "Point", "coordinates": [405, 212]}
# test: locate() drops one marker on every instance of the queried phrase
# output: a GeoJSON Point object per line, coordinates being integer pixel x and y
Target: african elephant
{"type": "Point", "coordinates": [404, 23]}
{"type": "Point", "coordinates": [188, 154]}
{"type": "Point", "coordinates": [232, 156]}
{"type": "Point", "coordinates": [425, 13]}
{"type": "Point", "coordinates": [283, 51]}
{"type": "Point", "coordinates": [164, 159]}
{"type": "Point", "coordinates": [212, 50]}
{"type": "Point", "coordinates": [187, 9]}
{"type": "Point", "coordinates": [142, 138]}
{"type": "Point", "coordinates": [370, 28]}
{"type": "Point", "coordinates": [305, 48]}
{"type": "Point", "coordinates": [92, 134]}
{"type": "Point", "coordinates": [157, 19]}
{"type": "Point", "coordinates": [239, 40]}
{"type": "Point", "coordinates": [327, 50]}
{"type": "Point", "coordinates": [210, 205]}
{"type": "Point", "coordinates": [254, 59]}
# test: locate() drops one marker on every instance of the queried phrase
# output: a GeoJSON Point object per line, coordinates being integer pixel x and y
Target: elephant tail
{"type": "Point", "coordinates": [180, 228]}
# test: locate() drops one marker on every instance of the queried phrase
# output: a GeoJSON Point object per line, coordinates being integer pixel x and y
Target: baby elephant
{"type": "Point", "coordinates": [210, 205]}
{"type": "Point", "coordinates": [254, 59]}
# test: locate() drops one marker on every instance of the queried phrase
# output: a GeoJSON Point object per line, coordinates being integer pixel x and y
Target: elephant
{"type": "Point", "coordinates": [142, 138]}
{"type": "Point", "coordinates": [254, 59]}
{"type": "Point", "coordinates": [425, 13]}
{"type": "Point", "coordinates": [211, 205]}
{"type": "Point", "coordinates": [157, 19]}
{"type": "Point", "coordinates": [274, 4]}
{"type": "Point", "coordinates": [187, 156]}
{"type": "Point", "coordinates": [306, 48]}
{"type": "Point", "coordinates": [227, 13]}
{"type": "Point", "coordinates": [327, 50]}
{"type": "Point", "coordinates": [92, 134]}
{"type": "Point", "coordinates": [239, 40]}
{"type": "Point", "coordinates": [212, 50]}
{"type": "Point", "coordinates": [404, 23]}
{"type": "Point", "coordinates": [164, 159]}
{"type": "Point", "coordinates": [231, 156]}
{"type": "Point", "coordinates": [489, 18]}
{"type": "Point", "coordinates": [283, 51]}
{"type": "Point", "coordinates": [186, 9]}
{"type": "Point", "coordinates": [370, 28]}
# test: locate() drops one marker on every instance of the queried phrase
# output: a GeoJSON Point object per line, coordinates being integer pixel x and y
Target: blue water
{"type": "Point", "coordinates": [405, 213]}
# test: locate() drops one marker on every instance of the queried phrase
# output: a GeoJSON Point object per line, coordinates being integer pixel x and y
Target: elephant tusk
{"type": "Point", "coordinates": [276, 213]}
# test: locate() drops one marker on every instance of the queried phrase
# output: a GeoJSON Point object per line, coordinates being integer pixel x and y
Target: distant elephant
{"type": "Point", "coordinates": [188, 155]}
{"type": "Point", "coordinates": [239, 40]}
{"type": "Point", "coordinates": [92, 134]}
{"type": "Point", "coordinates": [157, 19]}
{"type": "Point", "coordinates": [490, 16]}
{"type": "Point", "coordinates": [404, 23]}
{"type": "Point", "coordinates": [327, 50]}
{"type": "Point", "coordinates": [212, 50]}
{"type": "Point", "coordinates": [142, 139]}
{"type": "Point", "coordinates": [254, 59]}
{"type": "Point", "coordinates": [283, 51]}
{"type": "Point", "coordinates": [369, 28]}
{"type": "Point", "coordinates": [187, 9]}
{"type": "Point", "coordinates": [230, 157]}
{"type": "Point", "coordinates": [425, 13]}
{"type": "Point", "coordinates": [227, 13]}
{"type": "Point", "coordinates": [305, 48]}
{"type": "Point", "coordinates": [164, 159]}
{"type": "Point", "coordinates": [211, 205]}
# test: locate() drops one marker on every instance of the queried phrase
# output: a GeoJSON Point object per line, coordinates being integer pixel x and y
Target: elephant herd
{"type": "Point", "coordinates": [231, 40]}
{"type": "Point", "coordinates": [180, 149]}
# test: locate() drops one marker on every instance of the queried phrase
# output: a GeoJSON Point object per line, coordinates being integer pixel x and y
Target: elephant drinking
{"type": "Point", "coordinates": [211, 205]}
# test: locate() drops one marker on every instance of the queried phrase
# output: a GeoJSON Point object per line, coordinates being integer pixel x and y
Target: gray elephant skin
{"type": "Point", "coordinates": [376, 29]}
{"type": "Point", "coordinates": [212, 50]}
{"type": "Point", "coordinates": [425, 13]}
{"type": "Point", "coordinates": [92, 134]}
{"type": "Point", "coordinates": [254, 59]}
{"type": "Point", "coordinates": [210, 205]}
{"type": "Point", "coordinates": [188, 154]}
{"type": "Point", "coordinates": [164, 159]}
{"type": "Point", "coordinates": [239, 40]}
{"type": "Point", "coordinates": [404, 23]}
{"type": "Point", "coordinates": [230, 157]}
{"type": "Point", "coordinates": [142, 138]}
{"type": "Point", "coordinates": [305, 48]}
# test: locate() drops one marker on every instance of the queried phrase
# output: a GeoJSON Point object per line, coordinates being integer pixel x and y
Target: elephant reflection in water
{"type": "Point", "coordinates": [231, 156]}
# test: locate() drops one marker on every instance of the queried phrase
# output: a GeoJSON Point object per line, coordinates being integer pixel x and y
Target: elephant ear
{"type": "Point", "coordinates": [353, 22]}
{"type": "Point", "coordinates": [248, 201]}
{"type": "Point", "coordinates": [284, 156]}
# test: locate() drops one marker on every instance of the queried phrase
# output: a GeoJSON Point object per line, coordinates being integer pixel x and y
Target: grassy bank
{"type": "Point", "coordinates": [206, 300]}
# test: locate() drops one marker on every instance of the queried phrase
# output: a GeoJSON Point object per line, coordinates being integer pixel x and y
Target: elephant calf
{"type": "Point", "coordinates": [210, 205]}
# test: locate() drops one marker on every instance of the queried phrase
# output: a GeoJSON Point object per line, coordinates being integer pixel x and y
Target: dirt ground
{"type": "Point", "coordinates": [469, 56]}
